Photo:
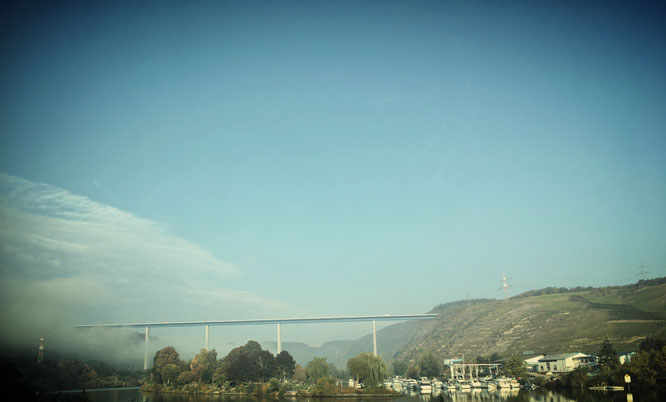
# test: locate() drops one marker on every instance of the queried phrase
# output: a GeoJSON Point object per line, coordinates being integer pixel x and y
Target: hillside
{"type": "Point", "coordinates": [549, 320]}
{"type": "Point", "coordinates": [338, 352]}
{"type": "Point", "coordinates": [548, 323]}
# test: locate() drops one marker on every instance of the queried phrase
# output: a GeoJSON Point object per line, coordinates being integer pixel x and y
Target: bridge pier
{"type": "Point", "coordinates": [374, 338]}
{"type": "Point", "coordinates": [306, 320]}
{"type": "Point", "coordinates": [145, 350]}
{"type": "Point", "coordinates": [279, 339]}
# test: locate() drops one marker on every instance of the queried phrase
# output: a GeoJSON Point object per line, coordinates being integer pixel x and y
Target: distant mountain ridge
{"type": "Point", "coordinates": [548, 320]}
{"type": "Point", "coordinates": [338, 352]}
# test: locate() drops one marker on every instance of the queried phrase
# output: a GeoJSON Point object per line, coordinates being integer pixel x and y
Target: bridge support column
{"type": "Point", "coordinates": [374, 338]}
{"type": "Point", "coordinates": [207, 334]}
{"type": "Point", "coordinates": [145, 350]}
{"type": "Point", "coordinates": [279, 340]}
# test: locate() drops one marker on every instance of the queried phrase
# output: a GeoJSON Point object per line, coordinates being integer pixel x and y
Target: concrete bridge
{"type": "Point", "coordinates": [275, 321]}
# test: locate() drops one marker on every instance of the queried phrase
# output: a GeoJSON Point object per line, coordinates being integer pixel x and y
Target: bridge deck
{"type": "Point", "coordinates": [309, 320]}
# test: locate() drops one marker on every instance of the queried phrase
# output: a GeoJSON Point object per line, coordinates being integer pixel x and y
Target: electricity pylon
{"type": "Point", "coordinates": [642, 271]}
{"type": "Point", "coordinates": [505, 285]}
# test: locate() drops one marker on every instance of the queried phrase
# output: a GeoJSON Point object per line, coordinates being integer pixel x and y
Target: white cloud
{"type": "Point", "coordinates": [83, 261]}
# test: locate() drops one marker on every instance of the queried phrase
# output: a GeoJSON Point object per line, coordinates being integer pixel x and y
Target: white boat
{"type": "Point", "coordinates": [425, 385]}
{"type": "Point", "coordinates": [463, 386]}
{"type": "Point", "coordinates": [410, 383]}
{"type": "Point", "coordinates": [502, 383]}
{"type": "Point", "coordinates": [487, 382]}
{"type": "Point", "coordinates": [514, 383]}
{"type": "Point", "coordinates": [426, 389]}
{"type": "Point", "coordinates": [475, 384]}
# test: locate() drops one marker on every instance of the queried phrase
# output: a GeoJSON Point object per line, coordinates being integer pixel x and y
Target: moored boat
{"type": "Point", "coordinates": [426, 389]}
{"type": "Point", "coordinates": [410, 383]}
{"type": "Point", "coordinates": [502, 383]}
{"type": "Point", "coordinates": [463, 385]}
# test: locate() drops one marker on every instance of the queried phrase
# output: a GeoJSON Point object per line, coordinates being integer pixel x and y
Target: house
{"type": "Point", "coordinates": [532, 362]}
{"type": "Point", "coordinates": [587, 361]}
{"type": "Point", "coordinates": [564, 362]}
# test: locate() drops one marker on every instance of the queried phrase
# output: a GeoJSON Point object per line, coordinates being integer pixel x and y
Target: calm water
{"type": "Point", "coordinates": [539, 395]}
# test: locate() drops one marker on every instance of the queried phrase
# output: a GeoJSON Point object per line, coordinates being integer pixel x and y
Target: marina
{"type": "Point", "coordinates": [427, 386]}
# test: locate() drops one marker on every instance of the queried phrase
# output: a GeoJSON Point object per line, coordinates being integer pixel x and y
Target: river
{"type": "Point", "coordinates": [538, 395]}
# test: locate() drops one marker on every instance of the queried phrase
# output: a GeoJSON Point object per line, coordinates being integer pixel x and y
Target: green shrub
{"type": "Point", "coordinates": [325, 387]}
{"type": "Point", "coordinates": [274, 385]}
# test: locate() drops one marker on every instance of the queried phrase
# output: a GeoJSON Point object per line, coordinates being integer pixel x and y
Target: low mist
{"type": "Point", "coordinates": [66, 260]}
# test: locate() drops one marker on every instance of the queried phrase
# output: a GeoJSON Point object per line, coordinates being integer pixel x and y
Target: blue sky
{"type": "Point", "coordinates": [323, 158]}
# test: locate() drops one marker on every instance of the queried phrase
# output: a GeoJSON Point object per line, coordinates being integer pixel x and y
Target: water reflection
{"type": "Point", "coordinates": [474, 395]}
{"type": "Point", "coordinates": [539, 395]}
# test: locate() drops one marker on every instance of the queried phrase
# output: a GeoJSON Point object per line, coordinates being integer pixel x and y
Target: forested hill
{"type": "Point", "coordinates": [549, 320]}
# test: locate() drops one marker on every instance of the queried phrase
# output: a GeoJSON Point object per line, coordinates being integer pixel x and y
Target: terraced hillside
{"type": "Point", "coordinates": [563, 321]}
{"type": "Point", "coordinates": [560, 322]}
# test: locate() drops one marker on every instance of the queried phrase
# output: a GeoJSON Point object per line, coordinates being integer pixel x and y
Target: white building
{"type": "Point", "coordinates": [532, 362]}
{"type": "Point", "coordinates": [455, 360]}
{"type": "Point", "coordinates": [625, 357]}
{"type": "Point", "coordinates": [564, 362]}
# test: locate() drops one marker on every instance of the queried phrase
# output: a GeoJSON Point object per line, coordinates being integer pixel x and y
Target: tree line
{"type": "Point", "coordinates": [427, 365]}
{"type": "Point", "coordinates": [251, 368]}
{"type": "Point", "coordinates": [248, 363]}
